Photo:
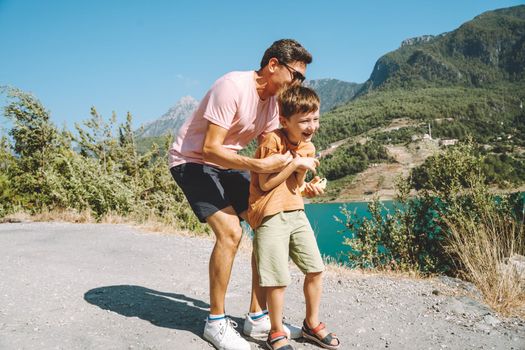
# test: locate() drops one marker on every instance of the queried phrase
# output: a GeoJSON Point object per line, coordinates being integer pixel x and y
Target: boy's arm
{"type": "Point", "coordinates": [268, 182]}
{"type": "Point", "coordinates": [300, 175]}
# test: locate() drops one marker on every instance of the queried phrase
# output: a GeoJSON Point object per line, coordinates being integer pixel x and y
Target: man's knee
{"type": "Point", "coordinates": [229, 237]}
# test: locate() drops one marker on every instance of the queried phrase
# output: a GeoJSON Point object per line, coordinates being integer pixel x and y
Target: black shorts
{"type": "Point", "coordinates": [209, 189]}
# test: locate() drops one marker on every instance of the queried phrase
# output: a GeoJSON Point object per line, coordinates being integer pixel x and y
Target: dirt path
{"type": "Point", "coordinates": [73, 286]}
{"type": "Point", "coordinates": [379, 179]}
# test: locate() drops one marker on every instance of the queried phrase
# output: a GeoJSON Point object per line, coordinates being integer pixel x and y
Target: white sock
{"type": "Point", "coordinates": [213, 318]}
{"type": "Point", "coordinates": [257, 315]}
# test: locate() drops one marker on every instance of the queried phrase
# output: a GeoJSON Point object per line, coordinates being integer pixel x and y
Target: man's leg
{"type": "Point", "coordinates": [226, 226]}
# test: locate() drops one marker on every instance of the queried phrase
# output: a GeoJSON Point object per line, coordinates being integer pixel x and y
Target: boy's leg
{"type": "Point", "coordinates": [275, 297]}
{"type": "Point", "coordinates": [305, 253]}
{"type": "Point", "coordinates": [313, 288]}
{"type": "Point", "coordinates": [258, 297]}
{"type": "Point", "coordinates": [226, 226]}
{"type": "Point", "coordinates": [258, 300]}
{"type": "Point", "coordinates": [270, 245]}
{"type": "Point", "coordinates": [275, 300]}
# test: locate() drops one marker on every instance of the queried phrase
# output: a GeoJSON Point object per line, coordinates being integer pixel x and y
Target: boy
{"type": "Point", "coordinates": [276, 213]}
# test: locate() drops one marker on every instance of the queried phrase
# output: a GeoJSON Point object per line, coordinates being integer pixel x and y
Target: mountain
{"type": "Point", "coordinates": [333, 92]}
{"type": "Point", "coordinates": [486, 50]}
{"type": "Point", "coordinates": [170, 121]}
{"type": "Point", "coordinates": [473, 75]}
{"type": "Point", "coordinates": [465, 83]}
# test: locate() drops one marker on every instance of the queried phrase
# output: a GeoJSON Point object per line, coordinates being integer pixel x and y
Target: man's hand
{"type": "Point", "coordinates": [275, 163]}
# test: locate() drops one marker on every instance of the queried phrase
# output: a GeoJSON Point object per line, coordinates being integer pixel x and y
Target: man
{"type": "Point", "coordinates": [203, 160]}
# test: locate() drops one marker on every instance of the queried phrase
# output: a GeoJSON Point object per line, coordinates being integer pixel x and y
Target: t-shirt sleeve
{"type": "Point", "coordinates": [308, 150]}
{"type": "Point", "coordinates": [311, 152]}
{"type": "Point", "coordinates": [268, 146]}
{"type": "Point", "coordinates": [222, 104]}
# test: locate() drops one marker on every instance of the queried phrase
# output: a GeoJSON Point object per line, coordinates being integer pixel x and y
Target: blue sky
{"type": "Point", "coordinates": [142, 56]}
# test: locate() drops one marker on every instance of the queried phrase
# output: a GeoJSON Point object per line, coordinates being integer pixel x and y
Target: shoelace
{"type": "Point", "coordinates": [229, 322]}
{"type": "Point", "coordinates": [233, 324]}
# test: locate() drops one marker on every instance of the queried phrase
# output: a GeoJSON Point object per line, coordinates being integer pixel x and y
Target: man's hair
{"type": "Point", "coordinates": [297, 99]}
{"type": "Point", "coordinates": [286, 51]}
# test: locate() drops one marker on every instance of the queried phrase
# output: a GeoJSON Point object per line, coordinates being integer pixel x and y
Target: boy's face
{"type": "Point", "coordinates": [301, 127]}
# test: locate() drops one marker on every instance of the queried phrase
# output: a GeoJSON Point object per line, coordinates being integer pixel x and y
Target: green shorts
{"type": "Point", "coordinates": [283, 235]}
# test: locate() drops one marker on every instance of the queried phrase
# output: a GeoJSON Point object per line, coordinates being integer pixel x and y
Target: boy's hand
{"type": "Point", "coordinates": [306, 163]}
{"type": "Point", "coordinates": [275, 163]}
{"type": "Point", "coordinates": [314, 188]}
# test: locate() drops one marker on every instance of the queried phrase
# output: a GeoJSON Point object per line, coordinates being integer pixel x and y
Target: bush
{"type": "Point", "coordinates": [41, 170]}
{"type": "Point", "coordinates": [454, 225]}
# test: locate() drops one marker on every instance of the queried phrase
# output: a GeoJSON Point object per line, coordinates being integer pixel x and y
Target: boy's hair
{"type": "Point", "coordinates": [286, 51]}
{"type": "Point", "coordinates": [297, 99]}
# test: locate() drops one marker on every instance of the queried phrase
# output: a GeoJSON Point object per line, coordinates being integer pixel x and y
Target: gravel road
{"type": "Point", "coordinates": [87, 286]}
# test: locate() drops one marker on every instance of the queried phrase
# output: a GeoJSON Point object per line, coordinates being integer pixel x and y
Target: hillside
{"type": "Point", "coordinates": [486, 50]}
{"type": "Point", "coordinates": [469, 81]}
{"type": "Point", "coordinates": [333, 92]}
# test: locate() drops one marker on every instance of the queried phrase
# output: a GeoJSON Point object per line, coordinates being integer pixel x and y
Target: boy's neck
{"type": "Point", "coordinates": [295, 144]}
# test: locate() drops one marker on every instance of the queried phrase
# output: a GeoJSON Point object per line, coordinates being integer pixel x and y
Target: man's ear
{"type": "Point", "coordinates": [272, 64]}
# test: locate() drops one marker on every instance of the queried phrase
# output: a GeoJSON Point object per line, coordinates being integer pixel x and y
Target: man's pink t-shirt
{"type": "Point", "coordinates": [233, 104]}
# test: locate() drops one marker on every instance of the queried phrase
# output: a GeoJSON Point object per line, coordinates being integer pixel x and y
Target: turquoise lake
{"type": "Point", "coordinates": [330, 233]}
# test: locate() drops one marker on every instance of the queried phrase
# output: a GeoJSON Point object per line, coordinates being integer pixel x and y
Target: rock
{"type": "Point", "coordinates": [481, 326]}
{"type": "Point", "coordinates": [491, 320]}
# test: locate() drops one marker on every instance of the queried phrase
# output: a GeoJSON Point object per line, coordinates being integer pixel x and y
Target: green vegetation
{"type": "Point", "coordinates": [454, 225]}
{"type": "Point", "coordinates": [352, 159]}
{"type": "Point", "coordinates": [41, 171]}
{"type": "Point", "coordinates": [487, 113]}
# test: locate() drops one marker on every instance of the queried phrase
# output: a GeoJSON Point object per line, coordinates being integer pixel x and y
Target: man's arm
{"type": "Point", "coordinates": [213, 151]}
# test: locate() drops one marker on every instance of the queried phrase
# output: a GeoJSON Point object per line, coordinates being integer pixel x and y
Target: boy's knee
{"type": "Point", "coordinates": [314, 275]}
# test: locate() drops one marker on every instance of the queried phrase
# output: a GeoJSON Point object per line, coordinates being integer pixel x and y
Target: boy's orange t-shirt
{"type": "Point", "coordinates": [287, 195]}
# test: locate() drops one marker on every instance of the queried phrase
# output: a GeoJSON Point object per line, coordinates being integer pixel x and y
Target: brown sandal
{"type": "Point", "coordinates": [326, 342]}
{"type": "Point", "coordinates": [274, 338]}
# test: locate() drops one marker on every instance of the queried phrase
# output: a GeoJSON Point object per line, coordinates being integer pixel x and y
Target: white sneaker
{"type": "Point", "coordinates": [260, 328]}
{"type": "Point", "coordinates": [223, 336]}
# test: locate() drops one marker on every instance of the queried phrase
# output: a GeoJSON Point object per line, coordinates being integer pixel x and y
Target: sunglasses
{"type": "Point", "coordinates": [296, 75]}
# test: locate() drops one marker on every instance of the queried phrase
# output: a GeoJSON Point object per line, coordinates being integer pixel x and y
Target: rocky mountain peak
{"type": "Point", "coordinates": [184, 107]}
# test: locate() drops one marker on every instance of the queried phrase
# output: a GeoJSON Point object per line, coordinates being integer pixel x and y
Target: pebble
{"type": "Point", "coordinates": [491, 320]}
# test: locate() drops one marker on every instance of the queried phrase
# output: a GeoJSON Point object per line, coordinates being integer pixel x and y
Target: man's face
{"type": "Point", "coordinates": [287, 74]}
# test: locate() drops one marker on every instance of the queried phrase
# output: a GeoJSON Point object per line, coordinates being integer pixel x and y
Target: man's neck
{"type": "Point", "coordinates": [261, 84]}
